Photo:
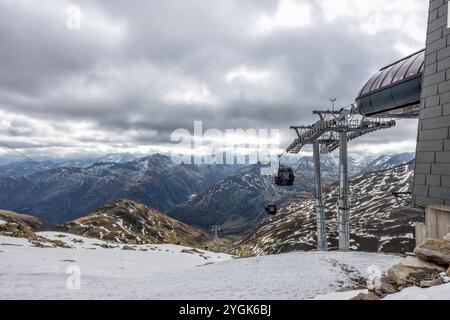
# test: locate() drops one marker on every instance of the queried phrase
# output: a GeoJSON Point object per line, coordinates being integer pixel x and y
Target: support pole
{"type": "Point", "coordinates": [344, 225]}
{"type": "Point", "coordinates": [322, 244]}
{"type": "Point", "coordinates": [216, 230]}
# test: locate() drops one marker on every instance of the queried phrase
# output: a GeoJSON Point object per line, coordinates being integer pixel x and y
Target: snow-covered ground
{"type": "Point", "coordinates": [413, 293]}
{"type": "Point", "coordinates": [435, 293]}
{"type": "Point", "coordinates": [174, 272]}
{"type": "Point", "coordinates": [171, 272]}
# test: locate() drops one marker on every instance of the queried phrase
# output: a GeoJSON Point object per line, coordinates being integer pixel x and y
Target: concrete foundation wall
{"type": "Point", "coordinates": [436, 226]}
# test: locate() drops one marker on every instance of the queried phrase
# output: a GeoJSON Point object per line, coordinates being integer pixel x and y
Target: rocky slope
{"type": "Point", "coordinates": [128, 222]}
{"type": "Point", "coordinates": [10, 227]}
{"type": "Point", "coordinates": [376, 225]}
{"type": "Point", "coordinates": [236, 203]}
{"type": "Point", "coordinates": [64, 194]}
{"type": "Point", "coordinates": [14, 225]}
{"type": "Point", "coordinates": [32, 222]}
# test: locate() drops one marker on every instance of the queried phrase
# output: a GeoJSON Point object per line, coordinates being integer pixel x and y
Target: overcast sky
{"type": "Point", "coordinates": [138, 70]}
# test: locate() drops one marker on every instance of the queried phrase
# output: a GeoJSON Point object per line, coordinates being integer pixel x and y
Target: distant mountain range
{"type": "Point", "coordinates": [25, 168]}
{"type": "Point", "coordinates": [376, 223]}
{"type": "Point", "coordinates": [29, 167]}
{"type": "Point", "coordinates": [387, 162]}
{"type": "Point", "coordinates": [237, 203]}
{"type": "Point", "coordinates": [233, 197]}
{"type": "Point", "coordinates": [63, 194]}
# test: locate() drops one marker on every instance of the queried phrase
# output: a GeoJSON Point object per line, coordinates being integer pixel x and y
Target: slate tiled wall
{"type": "Point", "coordinates": [432, 174]}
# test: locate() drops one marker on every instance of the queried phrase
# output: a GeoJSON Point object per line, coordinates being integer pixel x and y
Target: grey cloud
{"type": "Point", "coordinates": [47, 71]}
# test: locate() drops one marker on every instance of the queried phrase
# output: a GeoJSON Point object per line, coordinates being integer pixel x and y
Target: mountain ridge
{"type": "Point", "coordinates": [128, 222]}
{"type": "Point", "coordinates": [63, 194]}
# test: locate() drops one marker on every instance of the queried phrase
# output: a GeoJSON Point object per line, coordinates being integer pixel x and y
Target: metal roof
{"type": "Point", "coordinates": [395, 87]}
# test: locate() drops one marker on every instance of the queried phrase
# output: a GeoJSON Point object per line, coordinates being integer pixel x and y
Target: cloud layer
{"type": "Point", "coordinates": [136, 72]}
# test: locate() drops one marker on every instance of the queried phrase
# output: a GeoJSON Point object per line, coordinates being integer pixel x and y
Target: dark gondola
{"type": "Point", "coordinates": [271, 210]}
{"type": "Point", "coordinates": [285, 177]}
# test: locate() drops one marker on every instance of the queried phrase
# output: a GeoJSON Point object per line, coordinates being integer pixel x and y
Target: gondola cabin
{"type": "Point", "coordinates": [271, 210]}
{"type": "Point", "coordinates": [284, 177]}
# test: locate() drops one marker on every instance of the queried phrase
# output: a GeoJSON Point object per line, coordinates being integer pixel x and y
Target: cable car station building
{"type": "Point", "coordinates": [418, 86]}
{"type": "Point", "coordinates": [432, 172]}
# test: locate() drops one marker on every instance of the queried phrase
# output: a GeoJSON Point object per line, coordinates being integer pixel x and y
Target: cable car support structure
{"type": "Point", "coordinates": [333, 131]}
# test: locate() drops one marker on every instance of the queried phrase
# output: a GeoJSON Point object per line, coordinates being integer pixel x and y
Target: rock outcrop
{"type": "Point", "coordinates": [34, 223]}
{"type": "Point", "coordinates": [17, 230]}
{"type": "Point", "coordinates": [406, 276]}
{"type": "Point", "coordinates": [427, 270]}
{"type": "Point", "coordinates": [366, 297]}
{"type": "Point", "coordinates": [431, 283]}
{"type": "Point", "coordinates": [436, 251]}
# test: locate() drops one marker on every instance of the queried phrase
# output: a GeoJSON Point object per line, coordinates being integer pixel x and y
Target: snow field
{"type": "Point", "coordinates": [172, 272]}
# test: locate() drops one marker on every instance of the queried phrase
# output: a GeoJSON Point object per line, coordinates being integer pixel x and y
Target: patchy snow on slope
{"type": "Point", "coordinates": [2, 222]}
{"type": "Point", "coordinates": [173, 272]}
{"type": "Point", "coordinates": [13, 242]}
{"type": "Point", "coordinates": [376, 222]}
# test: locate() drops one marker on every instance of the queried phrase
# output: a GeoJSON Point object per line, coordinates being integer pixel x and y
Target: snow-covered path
{"type": "Point", "coordinates": [166, 272]}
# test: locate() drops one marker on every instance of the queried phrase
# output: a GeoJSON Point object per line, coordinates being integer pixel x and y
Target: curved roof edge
{"type": "Point", "coordinates": [395, 89]}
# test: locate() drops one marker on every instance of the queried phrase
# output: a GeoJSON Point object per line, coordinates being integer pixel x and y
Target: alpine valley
{"type": "Point", "coordinates": [90, 201]}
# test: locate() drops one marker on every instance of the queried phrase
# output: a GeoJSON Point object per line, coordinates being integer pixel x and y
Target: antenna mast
{"type": "Point", "coordinates": [333, 101]}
